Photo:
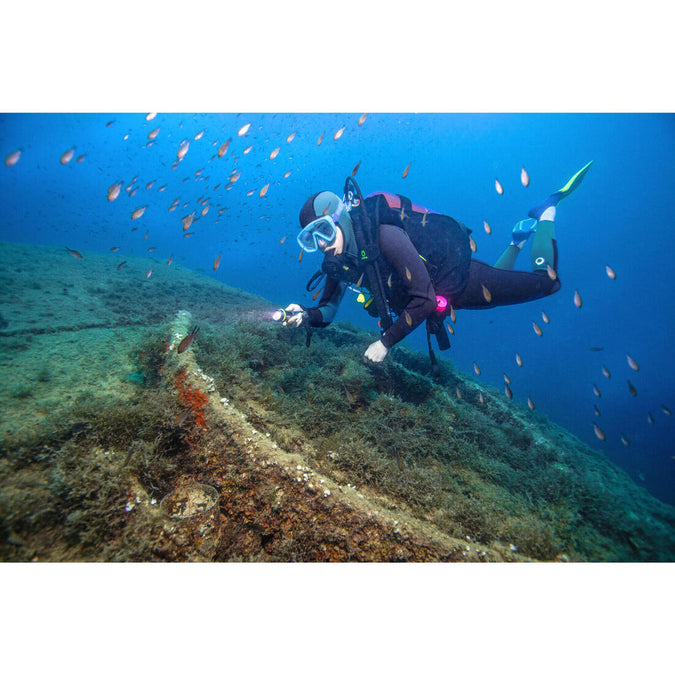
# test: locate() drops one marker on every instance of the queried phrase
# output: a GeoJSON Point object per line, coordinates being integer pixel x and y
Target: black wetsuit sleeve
{"type": "Point", "coordinates": [397, 248]}
{"type": "Point", "coordinates": [322, 315]}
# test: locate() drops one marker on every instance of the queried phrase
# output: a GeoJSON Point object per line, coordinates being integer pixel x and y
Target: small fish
{"type": "Point", "coordinates": [250, 193]}
{"type": "Point", "coordinates": [243, 129]}
{"type": "Point", "coordinates": [508, 392]}
{"type": "Point", "coordinates": [537, 329]}
{"type": "Point", "coordinates": [472, 244]}
{"type": "Point", "coordinates": [247, 150]}
{"type": "Point", "coordinates": [481, 400]}
{"type": "Point", "coordinates": [624, 440]}
{"type": "Point", "coordinates": [524, 177]}
{"type": "Point", "coordinates": [530, 403]}
{"type": "Point", "coordinates": [544, 317]}
{"type": "Point", "coordinates": [453, 316]}
{"type": "Point", "coordinates": [402, 213]}
{"type": "Point", "coordinates": [149, 185]}
{"type": "Point", "coordinates": [552, 274]}
{"type": "Point", "coordinates": [138, 212]}
{"type": "Point", "coordinates": [318, 293]}
{"type": "Point", "coordinates": [577, 299]}
{"type": "Point", "coordinates": [181, 418]}
{"type": "Point", "coordinates": [408, 276]}
{"type": "Point", "coordinates": [145, 236]}
{"type": "Point", "coordinates": [150, 116]}
{"type": "Point", "coordinates": [133, 192]}
{"type": "Point", "coordinates": [458, 392]}
{"type": "Point", "coordinates": [274, 152]}
{"type": "Point", "coordinates": [114, 191]}
{"type": "Point", "coordinates": [320, 140]}
{"type": "Point", "coordinates": [114, 248]}
{"type": "Point", "coordinates": [476, 368]}
{"type": "Point", "coordinates": [290, 137]}
{"type": "Point", "coordinates": [338, 133]}
{"type": "Point", "coordinates": [14, 157]}
{"type": "Point", "coordinates": [650, 418]}
{"type": "Point", "coordinates": [631, 388]}
{"type": "Point", "coordinates": [507, 379]}
{"type": "Point", "coordinates": [596, 410]}
{"type": "Point", "coordinates": [360, 281]}
{"type": "Point", "coordinates": [151, 249]}
{"type": "Point", "coordinates": [147, 276]}
{"type": "Point", "coordinates": [519, 361]}
{"type": "Point", "coordinates": [599, 432]}
{"type": "Point", "coordinates": [596, 391]}
{"type": "Point", "coordinates": [223, 148]}
{"type": "Point", "coordinates": [610, 272]}
{"type": "Point", "coordinates": [282, 240]}
{"type": "Point", "coordinates": [350, 398]}
{"type": "Point", "coordinates": [424, 219]}
{"type": "Point", "coordinates": [153, 134]}
{"type": "Point", "coordinates": [356, 168]}
{"type": "Point", "coordinates": [187, 221]}
{"type": "Point", "coordinates": [216, 262]}
{"type": "Point", "coordinates": [67, 156]}
{"type": "Point", "coordinates": [73, 252]}
{"type": "Point", "coordinates": [263, 190]}
{"type": "Point", "coordinates": [666, 410]}
{"type": "Point", "coordinates": [605, 372]}
{"type": "Point", "coordinates": [389, 280]}
{"type": "Point", "coordinates": [451, 330]}
{"type": "Point", "coordinates": [182, 151]}
{"type": "Point", "coordinates": [80, 159]}
{"type": "Point", "coordinates": [405, 171]}
{"type": "Point", "coordinates": [121, 265]}
{"type": "Point", "coordinates": [632, 363]}
{"type": "Point", "coordinates": [362, 119]}
{"type": "Point", "coordinates": [199, 135]}
{"type": "Point", "coordinates": [408, 318]}
{"type": "Point", "coordinates": [205, 210]}
{"type": "Point", "coordinates": [499, 187]}
{"type": "Point", "coordinates": [486, 293]}
{"type": "Point", "coordinates": [187, 341]}
{"type": "Point", "coordinates": [302, 250]}
{"type": "Point", "coordinates": [187, 235]}
{"type": "Point", "coordinates": [287, 174]}
{"type": "Point", "coordinates": [596, 349]}
{"type": "Point", "coordinates": [486, 225]}
{"type": "Point", "coordinates": [170, 260]}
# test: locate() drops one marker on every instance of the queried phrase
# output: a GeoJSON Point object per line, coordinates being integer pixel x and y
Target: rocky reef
{"type": "Point", "coordinates": [251, 446]}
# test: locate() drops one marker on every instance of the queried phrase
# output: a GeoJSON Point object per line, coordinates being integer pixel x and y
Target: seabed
{"type": "Point", "coordinates": [249, 446]}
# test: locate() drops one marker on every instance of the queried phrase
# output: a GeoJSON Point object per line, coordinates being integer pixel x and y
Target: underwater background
{"type": "Point", "coordinates": [245, 176]}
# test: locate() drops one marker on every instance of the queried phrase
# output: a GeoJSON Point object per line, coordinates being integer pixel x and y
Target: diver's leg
{"type": "Point", "coordinates": [507, 260]}
{"type": "Point", "coordinates": [542, 253]}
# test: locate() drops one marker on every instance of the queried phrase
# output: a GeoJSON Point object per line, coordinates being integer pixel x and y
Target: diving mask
{"type": "Point", "coordinates": [318, 234]}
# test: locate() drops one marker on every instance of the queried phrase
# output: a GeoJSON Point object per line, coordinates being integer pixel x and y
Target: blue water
{"type": "Point", "coordinates": [621, 216]}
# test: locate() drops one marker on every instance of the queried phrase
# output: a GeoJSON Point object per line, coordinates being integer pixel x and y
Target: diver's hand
{"type": "Point", "coordinates": [376, 352]}
{"type": "Point", "coordinates": [296, 315]}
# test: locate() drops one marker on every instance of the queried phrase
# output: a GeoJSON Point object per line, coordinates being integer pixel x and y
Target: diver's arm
{"type": "Point", "coordinates": [322, 315]}
{"type": "Point", "coordinates": [400, 252]}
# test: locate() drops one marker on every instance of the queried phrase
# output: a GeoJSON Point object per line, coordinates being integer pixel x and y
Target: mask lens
{"type": "Point", "coordinates": [317, 234]}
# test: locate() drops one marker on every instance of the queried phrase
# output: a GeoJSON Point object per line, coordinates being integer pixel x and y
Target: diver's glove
{"type": "Point", "coordinates": [296, 315]}
{"type": "Point", "coordinates": [376, 352]}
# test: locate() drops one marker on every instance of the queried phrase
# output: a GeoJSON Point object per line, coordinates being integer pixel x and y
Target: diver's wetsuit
{"type": "Point", "coordinates": [407, 280]}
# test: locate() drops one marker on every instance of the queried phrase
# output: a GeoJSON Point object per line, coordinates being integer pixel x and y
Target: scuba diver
{"type": "Point", "coordinates": [415, 263]}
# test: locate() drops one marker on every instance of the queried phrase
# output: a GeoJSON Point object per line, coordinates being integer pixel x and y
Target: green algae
{"type": "Point", "coordinates": [93, 435]}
